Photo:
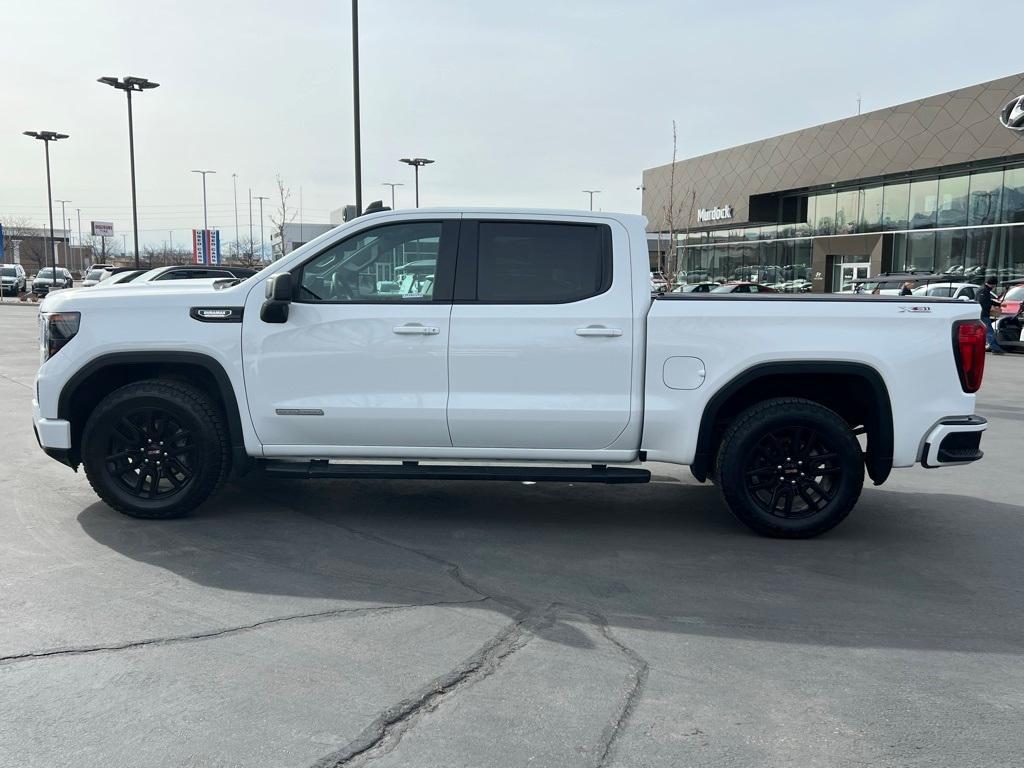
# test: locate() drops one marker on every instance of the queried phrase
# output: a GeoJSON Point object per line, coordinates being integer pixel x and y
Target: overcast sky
{"type": "Point", "coordinates": [520, 103]}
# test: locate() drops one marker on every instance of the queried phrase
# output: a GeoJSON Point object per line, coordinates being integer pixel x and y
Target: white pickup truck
{"type": "Point", "coordinates": [502, 344]}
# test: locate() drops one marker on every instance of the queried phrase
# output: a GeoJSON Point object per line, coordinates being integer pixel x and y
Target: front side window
{"type": "Point", "coordinates": [394, 262]}
{"type": "Point", "coordinates": [542, 263]}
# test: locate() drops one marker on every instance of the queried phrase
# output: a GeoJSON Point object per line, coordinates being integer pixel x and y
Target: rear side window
{"type": "Point", "coordinates": [541, 263]}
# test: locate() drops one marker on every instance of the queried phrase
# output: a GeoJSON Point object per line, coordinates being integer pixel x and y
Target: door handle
{"type": "Point", "coordinates": [417, 330]}
{"type": "Point", "coordinates": [598, 331]}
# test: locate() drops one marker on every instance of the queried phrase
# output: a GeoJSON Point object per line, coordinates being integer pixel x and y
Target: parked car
{"type": "Point", "coordinates": [195, 272]}
{"type": "Point", "coordinates": [97, 274]}
{"type": "Point", "coordinates": [522, 363]}
{"type": "Point", "coordinates": [743, 287]}
{"type": "Point", "coordinates": [659, 283]}
{"type": "Point", "coordinates": [44, 280]}
{"type": "Point", "coordinates": [1012, 298]}
{"type": "Point", "coordinates": [704, 287]}
{"type": "Point", "coordinates": [13, 280]}
{"type": "Point", "coordinates": [1008, 326]}
{"type": "Point", "coordinates": [961, 291]}
{"type": "Point", "coordinates": [121, 277]}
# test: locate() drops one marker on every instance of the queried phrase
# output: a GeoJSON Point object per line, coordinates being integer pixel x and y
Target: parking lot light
{"type": "Point", "coordinates": [46, 137]}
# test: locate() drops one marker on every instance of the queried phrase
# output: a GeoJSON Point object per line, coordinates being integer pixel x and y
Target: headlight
{"type": "Point", "coordinates": [56, 330]}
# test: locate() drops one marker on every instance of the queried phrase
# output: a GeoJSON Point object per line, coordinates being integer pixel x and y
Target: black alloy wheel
{"type": "Point", "coordinates": [156, 448]}
{"type": "Point", "coordinates": [150, 453]}
{"type": "Point", "coordinates": [790, 468]}
{"type": "Point", "coordinates": [793, 473]}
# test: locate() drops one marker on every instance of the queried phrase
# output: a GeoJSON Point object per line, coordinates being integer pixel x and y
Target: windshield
{"type": "Point", "coordinates": [724, 289]}
{"type": "Point", "coordinates": [95, 274]}
{"type": "Point", "coordinates": [45, 272]}
{"type": "Point", "coordinates": [8, 272]}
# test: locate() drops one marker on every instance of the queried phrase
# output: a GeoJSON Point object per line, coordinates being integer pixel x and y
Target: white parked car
{"type": "Point", "coordinates": [961, 291]}
{"type": "Point", "coordinates": [541, 349]}
{"type": "Point", "coordinates": [96, 275]}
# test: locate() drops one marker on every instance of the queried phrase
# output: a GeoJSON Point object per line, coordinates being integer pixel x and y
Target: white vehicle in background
{"type": "Point", "coordinates": [97, 273]}
{"type": "Point", "coordinates": [536, 348]}
{"type": "Point", "coordinates": [960, 291]}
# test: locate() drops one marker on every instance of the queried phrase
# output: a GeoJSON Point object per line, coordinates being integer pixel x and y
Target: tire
{"type": "Point", "coordinates": [762, 468]}
{"type": "Point", "coordinates": [155, 449]}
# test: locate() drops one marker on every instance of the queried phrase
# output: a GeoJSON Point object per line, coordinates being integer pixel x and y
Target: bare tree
{"type": "Point", "coordinates": [246, 253]}
{"type": "Point", "coordinates": [281, 217]}
{"type": "Point", "coordinates": [672, 213]}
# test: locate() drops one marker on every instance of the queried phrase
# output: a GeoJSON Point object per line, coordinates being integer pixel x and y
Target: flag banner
{"type": "Point", "coordinates": [206, 246]}
{"type": "Point", "coordinates": [199, 246]}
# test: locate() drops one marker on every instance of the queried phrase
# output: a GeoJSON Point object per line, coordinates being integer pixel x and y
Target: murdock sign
{"type": "Point", "coordinates": [714, 214]}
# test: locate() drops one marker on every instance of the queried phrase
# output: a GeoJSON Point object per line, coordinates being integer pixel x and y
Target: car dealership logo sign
{"type": "Point", "coordinates": [1012, 115]}
{"type": "Point", "coordinates": [714, 214]}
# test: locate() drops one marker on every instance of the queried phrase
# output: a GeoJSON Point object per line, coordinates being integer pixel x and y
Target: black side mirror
{"type": "Point", "coordinates": [279, 297]}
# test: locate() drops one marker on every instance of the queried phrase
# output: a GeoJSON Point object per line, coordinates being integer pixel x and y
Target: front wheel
{"type": "Point", "coordinates": [790, 468]}
{"type": "Point", "coordinates": [155, 449]}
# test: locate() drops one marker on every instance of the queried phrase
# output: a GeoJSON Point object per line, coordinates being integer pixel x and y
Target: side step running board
{"type": "Point", "coordinates": [410, 470]}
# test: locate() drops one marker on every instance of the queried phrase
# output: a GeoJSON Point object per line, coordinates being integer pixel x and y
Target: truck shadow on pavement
{"type": "Point", "coordinates": [906, 570]}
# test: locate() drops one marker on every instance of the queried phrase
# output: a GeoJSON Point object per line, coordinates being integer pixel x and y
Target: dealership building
{"type": "Point", "coordinates": [933, 185]}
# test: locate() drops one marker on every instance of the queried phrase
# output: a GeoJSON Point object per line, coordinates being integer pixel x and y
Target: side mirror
{"type": "Point", "coordinates": [964, 298]}
{"type": "Point", "coordinates": [279, 297]}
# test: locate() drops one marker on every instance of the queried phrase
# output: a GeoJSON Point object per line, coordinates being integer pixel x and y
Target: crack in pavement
{"type": "Point", "coordinates": [634, 690]}
{"type": "Point", "coordinates": [386, 731]}
{"type": "Point", "coordinates": [15, 381]}
{"type": "Point", "coordinates": [173, 640]}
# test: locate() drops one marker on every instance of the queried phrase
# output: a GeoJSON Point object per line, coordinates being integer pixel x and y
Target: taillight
{"type": "Point", "coordinates": [969, 351]}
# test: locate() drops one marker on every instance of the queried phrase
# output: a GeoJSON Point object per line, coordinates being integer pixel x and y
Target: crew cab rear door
{"type": "Point", "coordinates": [540, 354]}
{"type": "Point", "coordinates": [362, 359]}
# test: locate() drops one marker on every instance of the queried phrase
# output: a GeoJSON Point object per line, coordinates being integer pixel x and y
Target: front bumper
{"type": "Point", "coordinates": [954, 441]}
{"type": "Point", "coordinates": [51, 433]}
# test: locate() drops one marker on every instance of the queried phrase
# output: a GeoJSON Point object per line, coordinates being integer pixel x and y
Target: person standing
{"type": "Point", "coordinates": [987, 301]}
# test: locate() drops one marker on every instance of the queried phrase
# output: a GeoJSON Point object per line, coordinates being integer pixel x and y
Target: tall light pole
{"type": "Point", "coordinates": [263, 245]}
{"type": "Point", "coordinates": [355, 107]}
{"type": "Point", "coordinates": [250, 224]}
{"type": "Point", "coordinates": [67, 232]}
{"type": "Point", "coordinates": [393, 185]}
{"type": "Point", "coordinates": [417, 163]}
{"type": "Point", "coordinates": [129, 84]}
{"type": "Point", "coordinates": [591, 192]}
{"type": "Point", "coordinates": [46, 137]}
{"type": "Point", "coordinates": [81, 247]}
{"type": "Point", "coordinates": [205, 226]}
{"type": "Point", "coordinates": [234, 184]}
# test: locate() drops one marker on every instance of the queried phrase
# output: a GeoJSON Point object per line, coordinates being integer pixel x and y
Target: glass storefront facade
{"type": "Point", "coordinates": [967, 224]}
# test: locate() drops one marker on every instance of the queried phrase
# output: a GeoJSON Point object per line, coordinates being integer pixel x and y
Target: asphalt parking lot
{"type": "Point", "coordinates": [475, 624]}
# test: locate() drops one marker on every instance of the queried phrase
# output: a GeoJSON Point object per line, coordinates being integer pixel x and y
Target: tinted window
{"type": "Point", "coordinates": [545, 263]}
{"type": "Point", "coordinates": [8, 272]}
{"type": "Point", "coordinates": [395, 262]}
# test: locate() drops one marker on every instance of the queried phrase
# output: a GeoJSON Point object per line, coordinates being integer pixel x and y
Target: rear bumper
{"type": "Point", "coordinates": [953, 441]}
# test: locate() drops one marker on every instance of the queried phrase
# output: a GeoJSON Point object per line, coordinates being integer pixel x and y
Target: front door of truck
{"type": "Point", "coordinates": [541, 349]}
{"type": "Point", "coordinates": [360, 361]}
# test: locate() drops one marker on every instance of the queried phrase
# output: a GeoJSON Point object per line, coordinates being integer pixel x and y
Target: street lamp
{"type": "Point", "coordinates": [67, 232]}
{"type": "Point", "coordinates": [46, 137]}
{"type": "Point", "coordinates": [417, 163]}
{"type": "Point", "coordinates": [129, 84]}
{"type": "Point", "coordinates": [393, 185]}
{"type": "Point", "coordinates": [205, 227]}
{"type": "Point", "coordinates": [234, 184]}
{"type": "Point", "coordinates": [263, 244]}
{"type": "Point", "coordinates": [591, 192]}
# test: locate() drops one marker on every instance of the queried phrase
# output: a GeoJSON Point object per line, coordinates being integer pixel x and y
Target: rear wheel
{"type": "Point", "coordinates": [790, 468]}
{"type": "Point", "coordinates": [155, 449]}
